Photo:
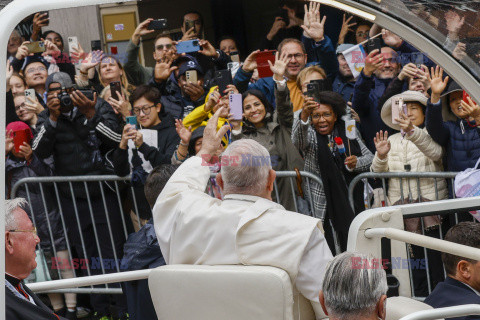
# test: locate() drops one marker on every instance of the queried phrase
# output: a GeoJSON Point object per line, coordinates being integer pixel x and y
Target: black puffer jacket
{"type": "Point", "coordinates": [77, 144]}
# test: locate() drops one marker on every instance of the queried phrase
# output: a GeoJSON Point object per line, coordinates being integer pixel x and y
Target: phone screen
{"type": "Point", "coordinates": [115, 88]}
{"type": "Point", "coordinates": [397, 105]}
{"type": "Point", "coordinates": [236, 107]}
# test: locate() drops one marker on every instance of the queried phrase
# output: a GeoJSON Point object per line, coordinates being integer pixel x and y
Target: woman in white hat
{"type": "Point", "coordinates": [412, 149]}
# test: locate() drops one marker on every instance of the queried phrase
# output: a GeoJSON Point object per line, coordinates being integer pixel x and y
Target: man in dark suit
{"type": "Point", "coordinates": [21, 240]}
{"type": "Point", "coordinates": [462, 285]}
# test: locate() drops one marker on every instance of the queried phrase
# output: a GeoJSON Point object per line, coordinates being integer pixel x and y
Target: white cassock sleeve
{"type": "Point", "coordinates": [312, 266]}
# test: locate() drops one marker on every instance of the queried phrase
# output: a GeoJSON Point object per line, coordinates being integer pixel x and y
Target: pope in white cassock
{"type": "Point", "coordinates": [247, 227]}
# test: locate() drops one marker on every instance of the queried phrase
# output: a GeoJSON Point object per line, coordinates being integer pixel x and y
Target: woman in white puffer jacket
{"type": "Point", "coordinates": [413, 150]}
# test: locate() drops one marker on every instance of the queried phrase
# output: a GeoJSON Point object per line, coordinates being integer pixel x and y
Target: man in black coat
{"type": "Point", "coordinates": [79, 133]}
{"type": "Point", "coordinates": [21, 240]}
{"type": "Point", "coordinates": [462, 285]}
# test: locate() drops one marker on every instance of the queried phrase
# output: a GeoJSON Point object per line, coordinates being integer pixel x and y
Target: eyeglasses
{"type": "Point", "coordinates": [37, 69]}
{"type": "Point", "coordinates": [160, 47]}
{"type": "Point", "coordinates": [325, 116]}
{"type": "Point", "coordinates": [34, 231]}
{"type": "Point", "coordinates": [363, 34]}
{"type": "Point", "coordinates": [145, 109]}
{"type": "Point", "coordinates": [22, 106]}
{"type": "Point", "coordinates": [297, 56]}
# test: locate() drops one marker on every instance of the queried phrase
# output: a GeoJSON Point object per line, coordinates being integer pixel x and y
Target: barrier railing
{"type": "Point", "coordinates": [48, 194]}
{"type": "Point", "coordinates": [448, 312]}
{"type": "Point", "coordinates": [404, 178]}
{"type": "Point", "coordinates": [370, 226]}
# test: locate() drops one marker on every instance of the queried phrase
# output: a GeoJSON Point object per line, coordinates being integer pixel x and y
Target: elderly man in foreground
{"type": "Point", "coordinates": [354, 288]}
{"type": "Point", "coordinates": [21, 240]}
{"type": "Point", "coordinates": [246, 227]}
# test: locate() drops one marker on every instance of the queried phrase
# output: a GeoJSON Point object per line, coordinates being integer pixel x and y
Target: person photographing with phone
{"type": "Point", "coordinates": [148, 140]}
{"type": "Point", "coordinates": [320, 134]}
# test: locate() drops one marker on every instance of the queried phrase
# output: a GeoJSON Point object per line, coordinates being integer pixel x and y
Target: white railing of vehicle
{"type": "Point", "coordinates": [90, 280]}
{"type": "Point", "coordinates": [424, 241]}
{"type": "Point", "coordinates": [448, 312]}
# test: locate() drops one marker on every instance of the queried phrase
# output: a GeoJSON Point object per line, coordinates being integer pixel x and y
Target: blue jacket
{"type": "Point", "coordinates": [366, 94]}
{"type": "Point", "coordinates": [344, 88]}
{"type": "Point", "coordinates": [321, 52]}
{"type": "Point", "coordinates": [462, 148]}
{"type": "Point", "coordinates": [450, 293]}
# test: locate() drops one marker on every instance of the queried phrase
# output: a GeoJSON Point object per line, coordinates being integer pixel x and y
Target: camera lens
{"type": "Point", "coordinates": [66, 103]}
{"type": "Point", "coordinates": [195, 43]}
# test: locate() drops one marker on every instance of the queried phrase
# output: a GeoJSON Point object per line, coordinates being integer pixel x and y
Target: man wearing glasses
{"type": "Point", "coordinates": [36, 73]}
{"type": "Point", "coordinates": [163, 48]}
{"type": "Point", "coordinates": [21, 240]}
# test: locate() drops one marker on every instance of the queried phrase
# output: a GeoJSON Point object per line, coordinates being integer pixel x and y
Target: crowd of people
{"type": "Point", "coordinates": [88, 113]}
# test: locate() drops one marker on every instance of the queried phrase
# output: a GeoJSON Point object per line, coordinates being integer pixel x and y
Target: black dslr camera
{"type": "Point", "coordinates": [66, 103]}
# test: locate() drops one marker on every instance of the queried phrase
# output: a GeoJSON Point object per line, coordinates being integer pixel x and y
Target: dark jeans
{"type": "Point", "coordinates": [105, 250]}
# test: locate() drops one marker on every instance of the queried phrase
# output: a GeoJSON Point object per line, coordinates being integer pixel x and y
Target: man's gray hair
{"type": "Point", "coordinates": [10, 207]}
{"type": "Point", "coordinates": [353, 285]}
{"type": "Point", "coordinates": [245, 167]}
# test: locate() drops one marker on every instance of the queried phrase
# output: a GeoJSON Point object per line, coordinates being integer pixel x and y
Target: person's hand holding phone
{"type": "Point", "coordinates": [309, 104]}
{"type": "Point", "coordinates": [230, 89]}
{"type": "Point", "coordinates": [213, 99]}
{"type": "Point", "coordinates": [194, 90]}
{"type": "Point", "coordinates": [382, 144]}
{"type": "Point", "coordinates": [25, 151]}
{"type": "Point", "coordinates": [405, 123]}
{"type": "Point", "coordinates": [39, 20]}
{"type": "Point", "coordinates": [163, 69]}
{"type": "Point", "coordinates": [278, 24]}
{"type": "Point", "coordinates": [373, 61]}
{"type": "Point", "coordinates": [78, 54]}
{"type": "Point", "coordinates": [129, 133]}
{"type": "Point", "coordinates": [408, 71]}
{"type": "Point", "coordinates": [207, 49]}
{"type": "Point", "coordinates": [53, 105]}
{"type": "Point", "coordinates": [33, 106]}
{"type": "Point", "coordinates": [279, 67]}
{"type": "Point", "coordinates": [189, 34]}
{"type": "Point", "coordinates": [120, 106]}
{"type": "Point", "coordinates": [22, 51]}
{"type": "Point", "coordinates": [250, 62]}
{"type": "Point", "coordinates": [141, 30]}
{"type": "Point", "coordinates": [472, 109]}
{"type": "Point", "coordinates": [138, 139]}
{"type": "Point", "coordinates": [50, 49]}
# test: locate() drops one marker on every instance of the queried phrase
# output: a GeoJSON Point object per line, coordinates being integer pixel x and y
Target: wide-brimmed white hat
{"type": "Point", "coordinates": [408, 96]}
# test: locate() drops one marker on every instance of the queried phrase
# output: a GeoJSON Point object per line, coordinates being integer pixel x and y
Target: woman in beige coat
{"type": "Point", "coordinates": [413, 150]}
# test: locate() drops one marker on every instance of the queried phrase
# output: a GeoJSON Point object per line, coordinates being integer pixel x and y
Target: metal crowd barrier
{"type": "Point", "coordinates": [404, 177]}
{"type": "Point", "coordinates": [50, 188]}
{"type": "Point", "coordinates": [370, 226]}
